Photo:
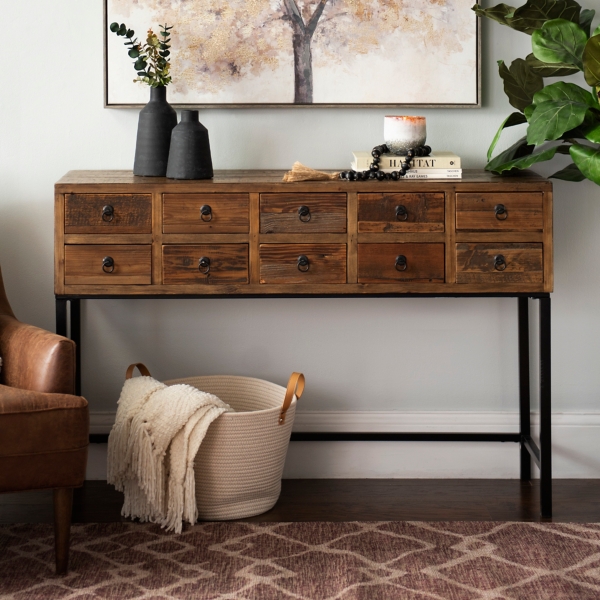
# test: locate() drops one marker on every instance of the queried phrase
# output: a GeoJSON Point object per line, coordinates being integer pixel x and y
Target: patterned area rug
{"type": "Point", "coordinates": [316, 561]}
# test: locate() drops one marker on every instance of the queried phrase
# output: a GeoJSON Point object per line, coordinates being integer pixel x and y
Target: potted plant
{"type": "Point", "coordinates": [562, 117]}
{"type": "Point", "coordinates": [158, 118]}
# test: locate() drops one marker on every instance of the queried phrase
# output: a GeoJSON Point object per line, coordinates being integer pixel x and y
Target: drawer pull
{"type": "Point", "coordinates": [108, 264]}
{"type": "Point", "coordinates": [501, 212]}
{"type": "Point", "coordinates": [401, 264]}
{"type": "Point", "coordinates": [303, 263]}
{"type": "Point", "coordinates": [499, 262]}
{"type": "Point", "coordinates": [108, 213]}
{"type": "Point", "coordinates": [206, 213]}
{"type": "Point", "coordinates": [304, 214]}
{"type": "Point", "coordinates": [401, 213]}
{"type": "Point", "coordinates": [204, 265]}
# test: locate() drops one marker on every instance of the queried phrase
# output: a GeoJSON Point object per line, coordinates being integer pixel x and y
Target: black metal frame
{"type": "Point", "coordinates": [68, 323]}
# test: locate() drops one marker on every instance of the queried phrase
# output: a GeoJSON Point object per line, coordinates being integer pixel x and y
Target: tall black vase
{"type": "Point", "coordinates": [189, 157]}
{"type": "Point", "coordinates": [157, 120]}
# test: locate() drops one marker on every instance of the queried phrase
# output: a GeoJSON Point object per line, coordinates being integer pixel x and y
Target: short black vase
{"type": "Point", "coordinates": [189, 157]}
{"type": "Point", "coordinates": [156, 122]}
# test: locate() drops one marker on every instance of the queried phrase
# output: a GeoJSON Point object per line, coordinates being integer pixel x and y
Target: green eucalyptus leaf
{"type": "Point", "coordinates": [140, 64]}
{"type": "Point", "coordinates": [122, 29]}
{"type": "Point", "coordinates": [134, 53]}
{"type": "Point", "coordinates": [585, 20]}
{"type": "Point", "coordinates": [520, 162]}
{"type": "Point", "coordinates": [559, 41]}
{"type": "Point", "coordinates": [130, 33]}
{"type": "Point", "coordinates": [114, 27]}
{"type": "Point", "coordinates": [588, 161]}
{"type": "Point", "coordinates": [141, 73]}
{"type": "Point", "coordinates": [564, 91]}
{"type": "Point", "coordinates": [515, 118]}
{"type": "Point", "coordinates": [569, 173]}
{"type": "Point", "coordinates": [165, 53]}
{"type": "Point", "coordinates": [550, 69]}
{"type": "Point", "coordinates": [591, 61]}
{"type": "Point", "coordinates": [520, 83]}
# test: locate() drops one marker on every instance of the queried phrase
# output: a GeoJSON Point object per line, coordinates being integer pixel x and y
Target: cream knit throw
{"type": "Point", "coordinates": [151, 449]}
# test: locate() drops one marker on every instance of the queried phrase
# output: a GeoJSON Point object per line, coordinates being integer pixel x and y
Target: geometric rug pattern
{"type": "Point", "coordinates": [306, 561]}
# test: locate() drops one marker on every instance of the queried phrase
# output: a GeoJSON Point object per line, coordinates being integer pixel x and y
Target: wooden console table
{"type": "Point", "coordinates": [247, 234]}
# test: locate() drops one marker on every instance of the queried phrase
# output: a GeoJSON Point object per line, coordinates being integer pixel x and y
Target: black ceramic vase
{"type": "Point", "coordinates": [156, 122]}
{"type": "Point", "coordinates": [189, 157]}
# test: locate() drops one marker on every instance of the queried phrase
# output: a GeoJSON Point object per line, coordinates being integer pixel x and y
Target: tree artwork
{"type": "Point", "coordinates": [317, 51]}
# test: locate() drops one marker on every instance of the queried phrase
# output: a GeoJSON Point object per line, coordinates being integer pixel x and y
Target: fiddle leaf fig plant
{"type": "Point", "coordinates": [151, 58]}
{"type": "Point", "coordinates": [562, 117]}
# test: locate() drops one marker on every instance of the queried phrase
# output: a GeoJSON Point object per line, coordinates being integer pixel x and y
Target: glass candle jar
{"type": "Point", "coordinates": [401, 133]}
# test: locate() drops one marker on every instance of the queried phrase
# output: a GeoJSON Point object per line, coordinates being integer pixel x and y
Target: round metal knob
{"type": "Point", "coordinates": [304, 214]}
{"type": "Point", "coordinates": [401, 213]}
{"type": "Point", "coordinates": [206, 213]}
{"type": "Point", "coordinates": [303, 263]}
{"type": "Point", "coordinates": [204, 265]}
{"type": "Point", "coordinates": [108, 264]}
{"type": "Point", "coordinates": [108, 213]}
{"type": "Point", "coordinates": [499, 262]}
{"type": "Point", "coordinates": [401, 264]}
{"type": "Point", "coordinates": [501, 212]}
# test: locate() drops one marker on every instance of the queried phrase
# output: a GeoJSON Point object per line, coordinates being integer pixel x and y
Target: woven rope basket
{"type": "Point", "coordinates": [240, 462]}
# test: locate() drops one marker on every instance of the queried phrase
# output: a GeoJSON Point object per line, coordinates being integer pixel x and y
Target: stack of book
{"type": "Point", "coordinates": [438, 165]}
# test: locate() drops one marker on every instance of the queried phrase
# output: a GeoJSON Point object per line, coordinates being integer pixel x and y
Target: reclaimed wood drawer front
{"type": "Point", "coordinates": [302, 263]}
{"type": "Point", "coordinates": [108, 264]}
{"type": "Point", "coordinates": [205, 263]}
{"type": "Point", "coordinates": [397, 213]}
{"type": "Point", "coordinates": [509, 211]}
{"type": "Point", "coordinates": [108, 213]}
{"type": "Point", "coordinates": [302, 213]}
{"type": "Point", "coordinates": [206, 213]}
{"type": "Point", "coordinates": [499, 263]}
{"type": "Point", "coordinates": [388, 263]}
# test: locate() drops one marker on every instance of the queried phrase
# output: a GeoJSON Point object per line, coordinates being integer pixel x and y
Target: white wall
{"type": "Point", "coordinates": [358, 354]}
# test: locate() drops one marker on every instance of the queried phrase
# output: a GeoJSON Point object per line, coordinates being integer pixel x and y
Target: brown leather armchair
{"type": "Point", "coordinates": [44, 427]}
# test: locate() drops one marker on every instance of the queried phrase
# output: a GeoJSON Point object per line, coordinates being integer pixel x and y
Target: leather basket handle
{"type": "Point", "coordinates": [141, 368]}
{"type": "Point", "coordinates": [295, 387]}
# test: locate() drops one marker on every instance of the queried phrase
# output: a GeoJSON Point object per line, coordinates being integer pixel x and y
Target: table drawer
{"type": "Point", "coordinates": [396, 213]}
{"type": "Point", "coordinates": [510, 211]}
{"type": "Point", "coordinates": [499, 263]}
{"type": "Point", "coordinates": [108, 213]}
{"type": "Point", "coordinates": [388, 263]}
{"type": "Point", "coordinates": [302, 213]}
{"type": "Point", "coordinates": [303, 263]}
{"type": "Point", "coordinates": [206, 213]}
{"type": "Point", "coordinates": [108, 264]}
{"type": "Point", "coordinates": [205, 263]}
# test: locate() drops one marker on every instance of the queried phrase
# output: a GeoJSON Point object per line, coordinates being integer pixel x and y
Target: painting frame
{"type": "Point", "coordinates": [477, 103]}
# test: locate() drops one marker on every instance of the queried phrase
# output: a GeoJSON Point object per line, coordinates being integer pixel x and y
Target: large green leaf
{"type": "Point", "coordinates": [520, 162]}
{"type": "Point", "coordinates": [588, 161]}
{"type": "Point", "coordinates": [532, 15]}
{"type": "Point", "coordinates": [520, 83]}
{"type": "Point", "coordinates": [591, 61]}
{"type": "Point", "coordinates": [593, 134]}
{"type": "Point", "coordinates": [559, 41]}
{"type": "Point", "coordinates": [562, 90]}
{"type": "Point", "coordinates": [515, 118]}
{"type": "Point", "coordinates": [550, 69]}
{"type": "Point", "coordinates": [585, 20]}
{"type": "Point", "coordinates": [569, 173]}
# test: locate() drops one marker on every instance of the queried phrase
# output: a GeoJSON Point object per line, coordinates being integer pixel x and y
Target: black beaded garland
{"type": "Point", "coordinates": [375, 173]}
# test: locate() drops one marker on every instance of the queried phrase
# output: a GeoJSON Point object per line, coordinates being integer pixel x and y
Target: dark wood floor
{"type": "Point", "coordinates": [576, 500]}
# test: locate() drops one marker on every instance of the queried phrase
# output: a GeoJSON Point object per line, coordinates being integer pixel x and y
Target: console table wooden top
{"type": "Point", "coordinates": [482, 234]}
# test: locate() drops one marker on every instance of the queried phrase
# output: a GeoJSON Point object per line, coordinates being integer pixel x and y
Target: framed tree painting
{"type": "Point", "coordinates": [303, 52]}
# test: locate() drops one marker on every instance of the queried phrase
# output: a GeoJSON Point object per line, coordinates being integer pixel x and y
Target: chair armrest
{"type": "Point", "coordinates": [35, 359]}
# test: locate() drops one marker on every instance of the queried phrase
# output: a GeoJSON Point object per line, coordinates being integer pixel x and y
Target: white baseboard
{"type": "Point", "coordinates": [575, 444]}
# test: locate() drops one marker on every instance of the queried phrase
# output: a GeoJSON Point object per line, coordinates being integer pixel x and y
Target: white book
{"type": "Point", "coordinates": [436, 160]}
{"type": "Point", "coordinates": [354, 166]}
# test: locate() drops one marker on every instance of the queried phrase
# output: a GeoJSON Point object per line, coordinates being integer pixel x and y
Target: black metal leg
{"type": "Point", "coordinates": [524, 388]}
{"type": "Point", "coordinates": [61, 317]}
{"type": "Point", "coordinates": [545, 410]}
{"type": "Point", "coordinates": [76, 337]}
